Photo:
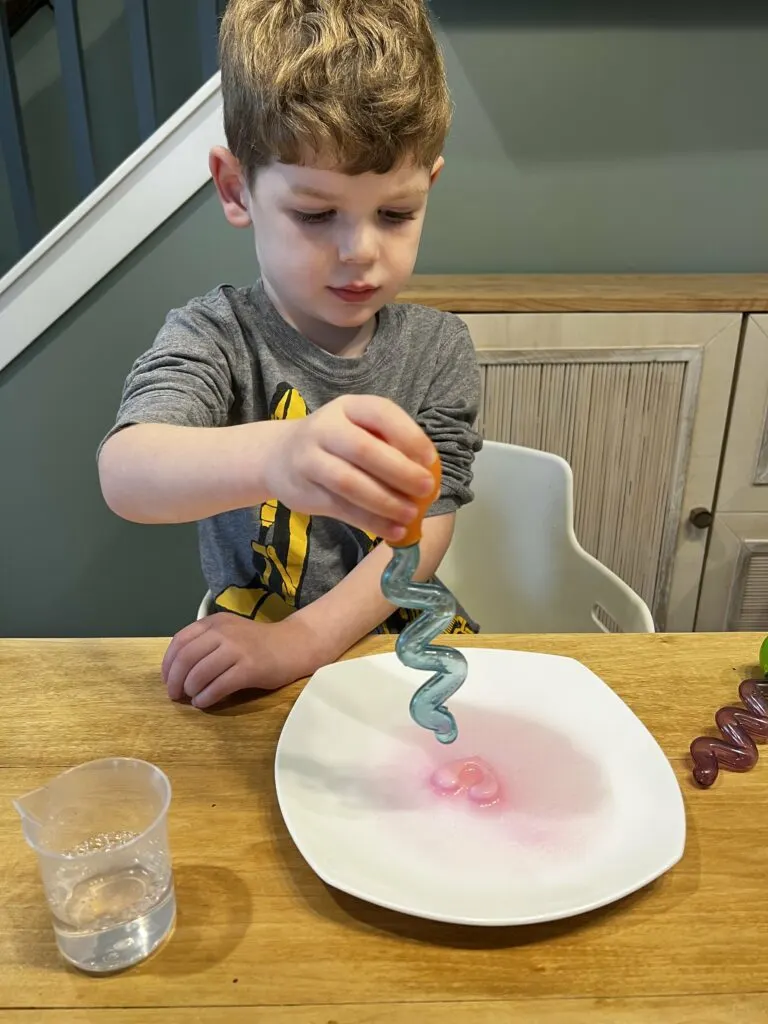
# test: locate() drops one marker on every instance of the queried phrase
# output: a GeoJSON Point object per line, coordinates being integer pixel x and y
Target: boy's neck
{"type": "Point", "coordinates": [347, 342]}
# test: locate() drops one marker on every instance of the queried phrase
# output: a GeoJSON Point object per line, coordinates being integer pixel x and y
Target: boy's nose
{"type": "Point", "coordinates": [359, 246]}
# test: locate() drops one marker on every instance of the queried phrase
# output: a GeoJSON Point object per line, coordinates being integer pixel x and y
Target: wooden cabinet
{"type": "Point", "coordinates": [637, 404]}
{"type": "Point", "coordinates": [631, 379]}
{"type": "Point", "coordinates": [734, 593]}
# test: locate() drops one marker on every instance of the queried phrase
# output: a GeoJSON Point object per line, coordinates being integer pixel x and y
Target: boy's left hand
{"type": "Point", "coordinates": [223, 653]}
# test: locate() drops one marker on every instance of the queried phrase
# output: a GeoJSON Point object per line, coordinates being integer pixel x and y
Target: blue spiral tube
{"type": "Point", "coordinates": [414, 647]}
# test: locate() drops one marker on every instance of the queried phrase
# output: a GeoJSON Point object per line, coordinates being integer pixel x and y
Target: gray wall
{"type": "Point", "coordinates": [67, 565]}
{"type": "Point", "coordinates": [581, 143]}
{"type": "Point", "coordinates": [591, 140]}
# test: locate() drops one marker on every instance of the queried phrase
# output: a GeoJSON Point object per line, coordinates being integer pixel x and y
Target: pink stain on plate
{"type": "Point", "coordinates": [506, 783]}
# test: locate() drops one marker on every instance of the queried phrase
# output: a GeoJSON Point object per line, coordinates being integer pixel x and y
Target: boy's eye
{"type": "Point", "coordinates": [323, 216]}
{"type": "Point", "coordinates": [397, 216]}
{"type": "Point", "coordinates": [313, 218]}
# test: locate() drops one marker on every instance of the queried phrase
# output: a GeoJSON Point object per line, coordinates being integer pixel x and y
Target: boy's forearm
{"type": "Point", "coordinates": [356, 606]}
{"type": "Point", "coordinates": [160, 473]}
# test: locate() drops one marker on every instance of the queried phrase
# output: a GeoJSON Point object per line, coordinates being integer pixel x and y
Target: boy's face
{"type": "Point", "coordinates": [332, 247]}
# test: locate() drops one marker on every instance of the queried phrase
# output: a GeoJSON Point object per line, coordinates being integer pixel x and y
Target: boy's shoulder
{"type": "Point", "coordinates": [428, 319]}
{"type": "Point", "coordinates": [220, 303]}
{"type": "Point", "coordinates": [228, 316]}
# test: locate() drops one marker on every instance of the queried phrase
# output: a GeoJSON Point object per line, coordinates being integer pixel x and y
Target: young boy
{"type": "Point", "coordinates": [295, 419]}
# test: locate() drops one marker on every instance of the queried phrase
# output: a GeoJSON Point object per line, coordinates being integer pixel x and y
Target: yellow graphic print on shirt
{"type": "Point", "coordinates": [282, 549]}
{"type": "Point", "coordinates": [281, 546]}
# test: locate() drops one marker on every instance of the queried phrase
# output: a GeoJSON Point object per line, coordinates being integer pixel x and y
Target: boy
{"type": "Point", "coordinates": [310, 398]}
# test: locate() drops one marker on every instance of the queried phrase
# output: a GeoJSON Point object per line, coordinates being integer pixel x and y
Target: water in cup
{"type": "Point", "coordinates": [100, 833]}
{"type": "Point", "coordinates": [113, 917]}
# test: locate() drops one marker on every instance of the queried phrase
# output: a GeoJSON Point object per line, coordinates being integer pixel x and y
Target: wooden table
{"type": "Point", "coordinates": [260, 940]}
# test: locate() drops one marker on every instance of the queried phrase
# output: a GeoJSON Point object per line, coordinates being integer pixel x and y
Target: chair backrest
{"type": "Point", "coordinates": [514, 561]}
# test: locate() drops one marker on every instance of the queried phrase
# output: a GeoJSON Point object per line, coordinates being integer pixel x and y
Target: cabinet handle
{"type": "Point", "coordinates": [701, 518]}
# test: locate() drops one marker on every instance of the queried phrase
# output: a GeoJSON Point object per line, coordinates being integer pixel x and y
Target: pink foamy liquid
{"type": "Point", "coordinates": [469, 775]}
{"type": "Point", "coordinates": [507, 783]}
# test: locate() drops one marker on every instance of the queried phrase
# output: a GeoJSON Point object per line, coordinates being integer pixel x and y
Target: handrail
{"type": "Point", "coordinates": [143, 192]}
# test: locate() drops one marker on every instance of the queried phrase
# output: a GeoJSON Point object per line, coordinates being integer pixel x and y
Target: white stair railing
{"type": "Point", "coordinates": [143, 192]}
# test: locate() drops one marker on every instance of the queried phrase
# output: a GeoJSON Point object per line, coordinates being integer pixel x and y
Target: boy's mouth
{"type": "Point", "coordinates": [354, 292]}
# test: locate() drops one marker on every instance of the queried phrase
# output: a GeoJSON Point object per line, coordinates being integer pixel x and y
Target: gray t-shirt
{"type": "Point", "coordinates": [230, 358]}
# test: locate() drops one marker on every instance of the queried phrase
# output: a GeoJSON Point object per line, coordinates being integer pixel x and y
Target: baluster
{"type": "Point", "coordinates": [208, 27]}
{"type": "Point", "coordinates": [141, 66]}
{"type": "Point", "coordinates": [73, 76]}
{"type": "Point", "coordinates": [13, 144]}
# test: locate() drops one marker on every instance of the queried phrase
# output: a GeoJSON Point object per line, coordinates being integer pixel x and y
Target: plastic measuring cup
{"type": "Point", "coordinates": [101, 839]}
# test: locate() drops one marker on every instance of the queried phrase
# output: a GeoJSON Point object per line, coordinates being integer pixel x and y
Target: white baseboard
{"type": "Point", "coordinates": [154, 182]}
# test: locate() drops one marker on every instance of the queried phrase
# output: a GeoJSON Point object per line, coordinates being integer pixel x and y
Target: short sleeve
{"type": "Point", "coordinates": [449, 412]}
{"type": "Point", "coordinates": [185, 379]}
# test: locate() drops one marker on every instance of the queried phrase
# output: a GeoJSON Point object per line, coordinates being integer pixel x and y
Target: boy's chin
{"type": "Point", "coordinates": [354, 316]}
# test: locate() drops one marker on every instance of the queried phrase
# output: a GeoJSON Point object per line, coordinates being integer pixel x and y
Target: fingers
{"type": "Point", "coordinates": [229, 681]}
{"type": "Point", "coordinates": [188, 647]}
{"type": "Point", "coordinates": [388, 445]}
{"type": "Point", "coordinates": [363, 460]}
{"type": "Point", "coordinates": [202, 669]}
{"type": "Point", "coordinates": [212, 659]}
{"type": "Point", "coordinates": [182, 638]}
{"type": "Point", "coordinates": [399, 475]}
{"type": "Point", "coordinates": [370, 522]}
{"type": "Point", "coordinates": [208, 669]}
{"type": "Point", "coordinates": [357, 489]}
{"type": "Point", "coordinates": [384, 418]}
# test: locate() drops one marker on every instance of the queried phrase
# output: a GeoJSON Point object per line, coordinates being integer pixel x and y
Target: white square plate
{"type": "Point", "coordinates": [589, 807]}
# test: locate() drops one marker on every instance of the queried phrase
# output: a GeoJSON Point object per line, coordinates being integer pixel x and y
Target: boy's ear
{"type": "Point", "coordinates": [437, 169]}
{"type": "Point", "coordinates": [230, 184]}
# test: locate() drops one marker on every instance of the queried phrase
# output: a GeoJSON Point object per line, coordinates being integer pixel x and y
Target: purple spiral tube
{"type": "Point", "coordinates": [739, 726]}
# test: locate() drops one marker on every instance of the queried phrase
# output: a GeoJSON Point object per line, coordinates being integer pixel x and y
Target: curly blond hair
{"type": "Point", "coordinates": [358, 82]}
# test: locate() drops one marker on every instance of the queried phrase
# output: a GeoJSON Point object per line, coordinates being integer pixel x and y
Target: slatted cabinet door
{"type": "Point", "coordinates": [637, 404]}
{"type": "Point", "coordinates": [734, 593]}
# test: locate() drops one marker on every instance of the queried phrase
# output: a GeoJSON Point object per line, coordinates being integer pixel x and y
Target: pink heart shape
{"type": "Point", "coordinates": [472, 776]}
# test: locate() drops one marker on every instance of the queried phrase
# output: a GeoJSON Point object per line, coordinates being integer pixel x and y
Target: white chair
{"type": "Point", "coordinates": [514, 561]}
{"type": "Point", "coordinates": [206, 606]}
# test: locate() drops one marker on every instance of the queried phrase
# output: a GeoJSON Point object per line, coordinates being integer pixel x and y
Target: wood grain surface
{"type": "Point", "coordinates": [261, 939]}
{"type": "Point", "coordinates": [590, 293]}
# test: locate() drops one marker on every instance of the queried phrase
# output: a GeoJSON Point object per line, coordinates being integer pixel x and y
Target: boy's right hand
{"type": "Point", "coordinates": [360, 458]}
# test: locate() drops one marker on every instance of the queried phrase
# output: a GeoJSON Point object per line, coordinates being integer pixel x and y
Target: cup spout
{"type": "Point", "coordinates": [33, 809]}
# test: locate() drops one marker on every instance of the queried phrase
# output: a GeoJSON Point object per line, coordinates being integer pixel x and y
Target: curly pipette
{"type": "Point", "coordinates": [414, 647]}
